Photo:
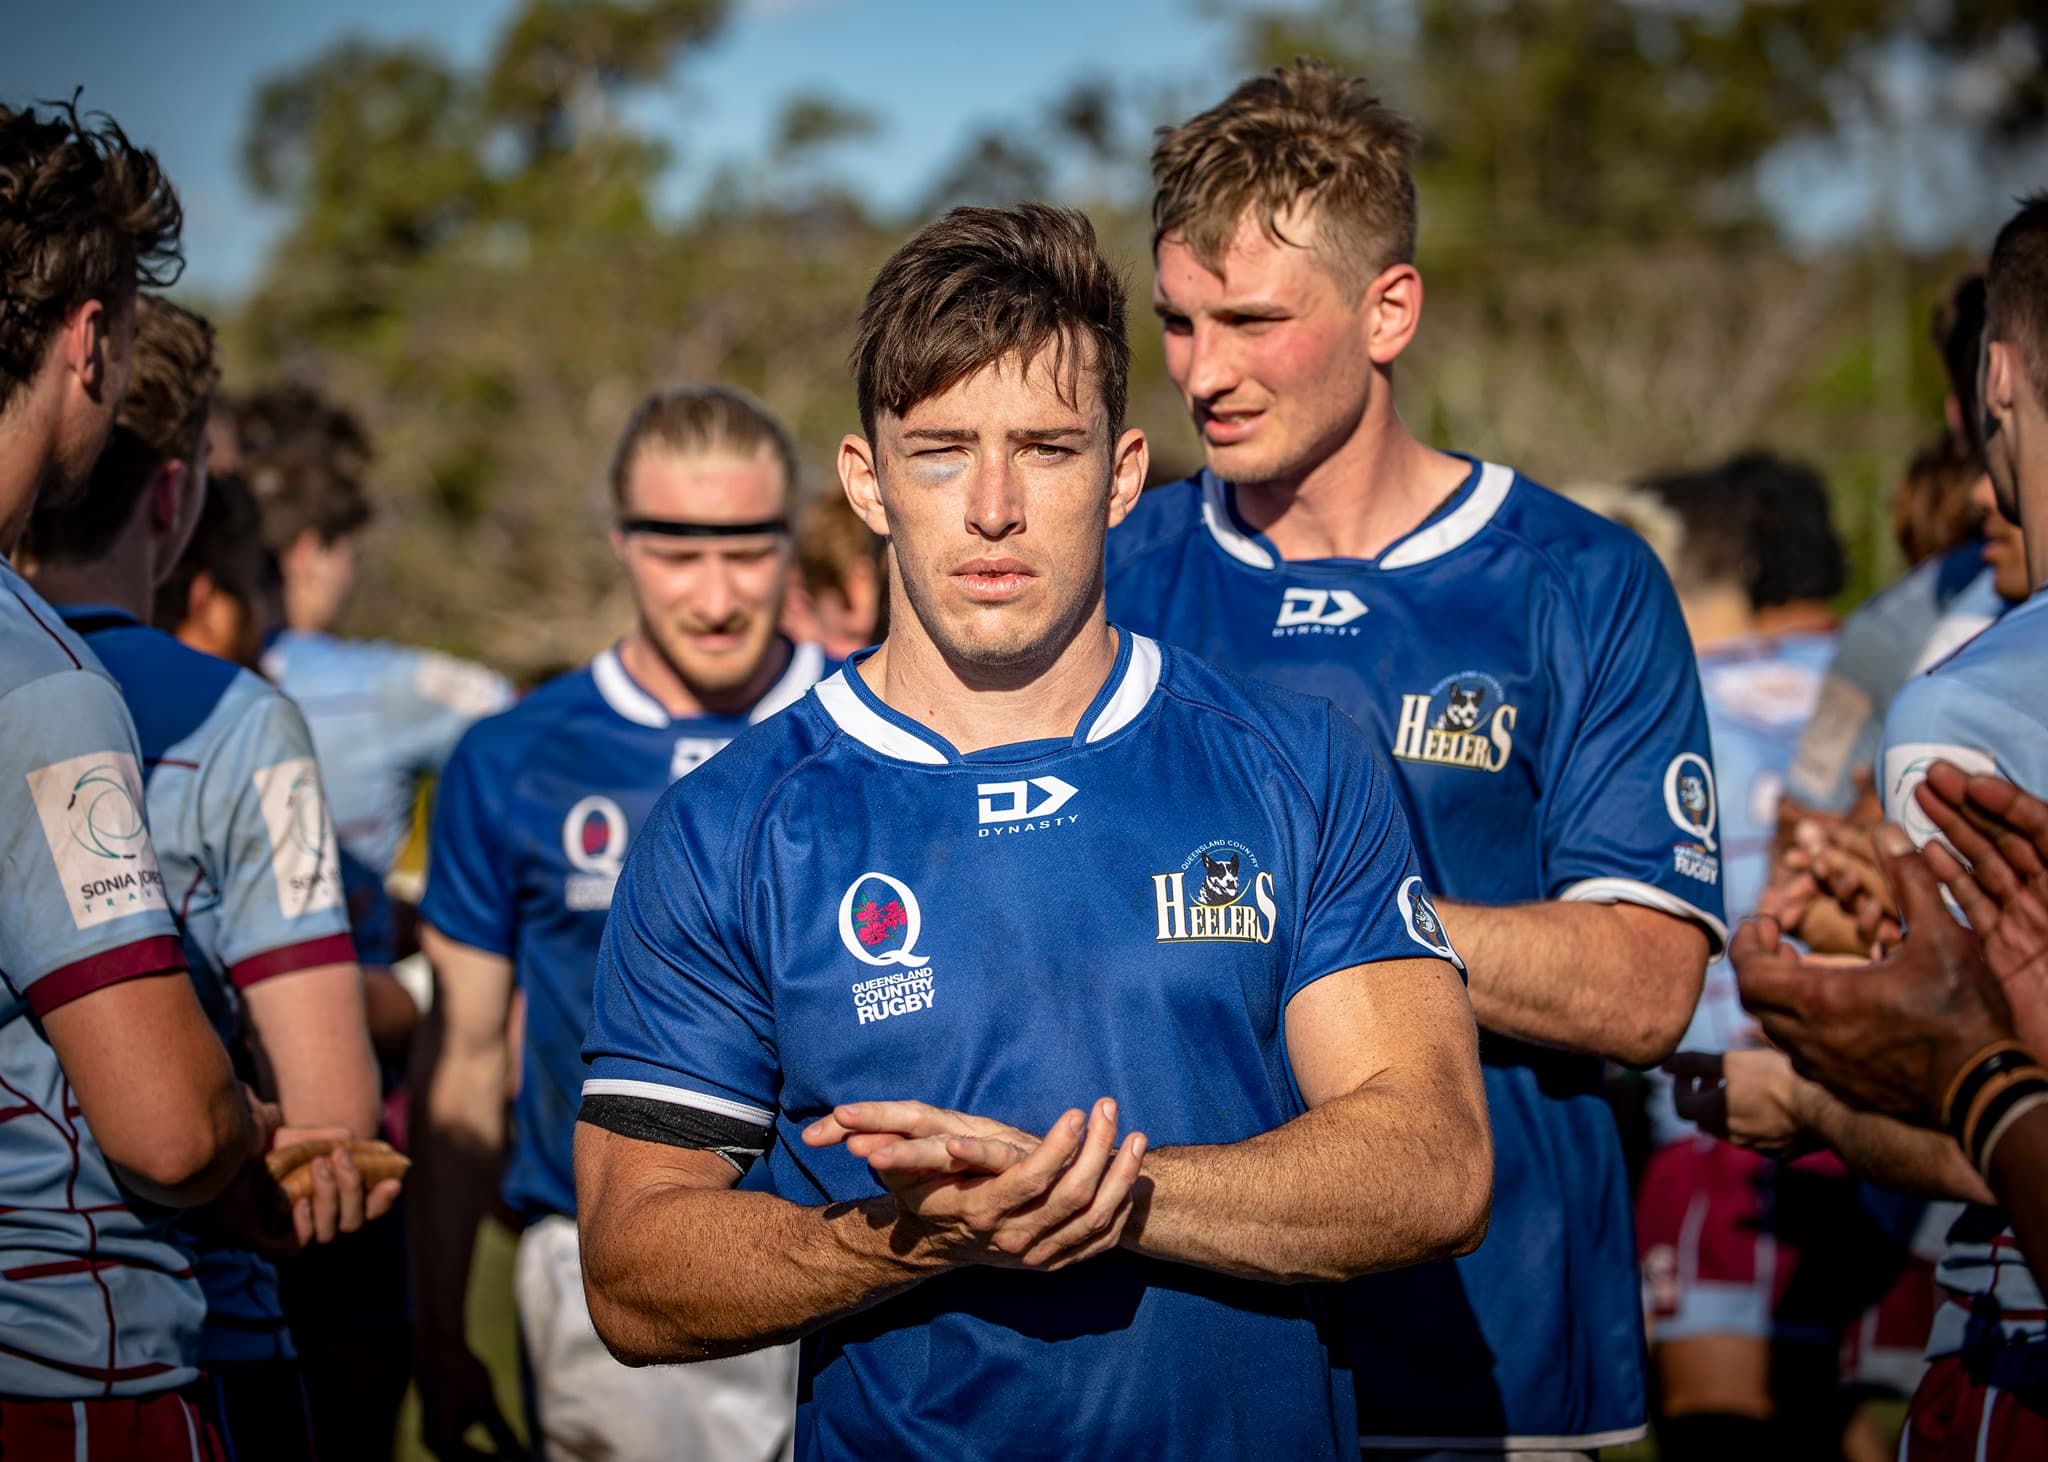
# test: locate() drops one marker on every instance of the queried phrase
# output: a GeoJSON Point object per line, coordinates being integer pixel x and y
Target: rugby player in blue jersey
{"type": "Point", "coordinates": [537, 809]}
{"type": "Point", "coordinates": [1031, 1013]}
{"type": "Point", "coordinates": [119, 1099]}
{"type": "Point", "coordinates": [1522, 665]}
{"type": "Point", "coordinates": [247, 852]}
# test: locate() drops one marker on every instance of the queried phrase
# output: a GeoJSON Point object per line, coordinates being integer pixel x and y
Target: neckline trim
{"type": "Point", "coordinates": [635, 703]}
{"type": "Point", "coordinates": [1478, 502]}
{"type": "Point", "coordinates": [856, 710]}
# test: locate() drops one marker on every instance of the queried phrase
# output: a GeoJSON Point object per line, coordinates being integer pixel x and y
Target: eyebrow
{"type": "Point", "coordinates": [961, 435]}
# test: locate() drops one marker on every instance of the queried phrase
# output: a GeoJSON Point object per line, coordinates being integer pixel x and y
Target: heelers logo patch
{"type": "Point", "coordinates": [880, 923]}
{"type": "Point", "coordinates": [91, 811]}
{"type": "Point", "coordinates": [1464, 721]}
{"type": "Point", "coordinates": [1232, 897]}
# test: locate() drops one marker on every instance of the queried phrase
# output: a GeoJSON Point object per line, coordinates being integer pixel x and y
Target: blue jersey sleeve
{"type": "Point", "coordinates": [681, 1013]}
{"type": "Point", "coordinates": [276, 865]}
{"type": "Point", "coordinates": [1633, 814]}
{"type": "Point", "coordinates": [81, 896]}
{"type": "Point", "coordinates": [1366, 902]}
{"type": "Point", "coordinates": [471, 895]}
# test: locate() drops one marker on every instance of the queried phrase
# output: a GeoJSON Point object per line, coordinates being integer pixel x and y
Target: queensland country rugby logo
{"type": "Point", "coordinates": [1689, 801]}
{"type": "Point", "coordinates": [1218, 892]}
{"type": "Point", "coordinates": [1465, 720]}
{"type": "Point", "coordinates": [91, 811]}
{"type": "Point", "coordinates": [594, 842]}
{"type": "Point", "coordinates": [880, 923]}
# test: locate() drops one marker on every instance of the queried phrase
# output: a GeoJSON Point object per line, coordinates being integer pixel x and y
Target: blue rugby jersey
{"type": "Point", "coordinates": [95, 1299]}
{"type": "Point", "coordinates": [1884, 643]}
{"type": "Point", "coordinates": [248, 855]}
{"type": "Point", "coordinates": [1760, 692]}
{"type": "Point", "coordinates": [383, 716]}
{"type": "Point", "coordinates": [842, 906]}
{"type": "Point", "coordinates": [1986, 710]}
{"type": "Point", "coordinates": [534, 815]}
{"type": "Point", "coordinates": [1522, 666]}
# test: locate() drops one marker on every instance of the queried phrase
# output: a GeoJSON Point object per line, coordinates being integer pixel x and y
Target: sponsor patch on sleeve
{"type": "Point", "coordinates": [1905, 767]}
{"type": "Point", "coordinates": [1425, 926]}
{"type": "Point", "coordinates": [91, 811]}
{"type": "Point", "coordinates": [303, 858]}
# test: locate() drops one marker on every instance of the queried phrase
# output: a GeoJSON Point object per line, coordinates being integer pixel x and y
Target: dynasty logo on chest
{"type": "Point", "coordinates": [1464, 721]}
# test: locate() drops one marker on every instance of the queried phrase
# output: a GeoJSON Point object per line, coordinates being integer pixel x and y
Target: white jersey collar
{"type": "Point", "coordinates": [857, 711]}
{"type": "Point", "coordinates": [1453, 530]}
{"type": "Point", "coordinates": [625, 695]}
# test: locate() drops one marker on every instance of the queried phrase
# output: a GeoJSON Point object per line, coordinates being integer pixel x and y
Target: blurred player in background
{"type": "Point", "coordinates": [1933, 510]}
{"type": "Point", "coordinates": [1523, 665]}
{"type": "Point", "coordinates": [215, 597]}
{"type": "Point", "coordinates": [839, 598]}
{"type": "Point", "coordinates": [536, 811]}
{"type": "Point", "coordinates": [120, 1098]}
{"type": "Point", "coordinates": [246, 849]}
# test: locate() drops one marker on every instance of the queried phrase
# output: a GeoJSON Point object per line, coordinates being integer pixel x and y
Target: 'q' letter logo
{"type": "Point", "coordinates": [1689, 796]}
{"type": "Point", "coordinates": [874, 923]}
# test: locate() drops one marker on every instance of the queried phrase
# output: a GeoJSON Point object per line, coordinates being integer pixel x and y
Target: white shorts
{"type": "Point", "coordinates": [739, 1409]}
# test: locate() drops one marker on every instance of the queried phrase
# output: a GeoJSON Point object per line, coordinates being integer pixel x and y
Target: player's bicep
{"type": "Point", "coordinates": [1404, 1019]}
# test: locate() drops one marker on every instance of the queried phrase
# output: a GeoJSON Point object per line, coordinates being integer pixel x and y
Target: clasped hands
{"type": "Point", "coordinates": [971, 1190]}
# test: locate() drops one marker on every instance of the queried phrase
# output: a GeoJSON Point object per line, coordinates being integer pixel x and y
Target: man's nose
{"type": "Point", "coordinates": [1212, 363]}
{"type": "Point", "coordinates": [995, 500]}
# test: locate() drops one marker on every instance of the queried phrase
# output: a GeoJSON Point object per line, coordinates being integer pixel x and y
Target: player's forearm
{"type": "Point", "coordinates": [1385, 1176]}
{"type": "Point", "coordinates": [2019, 1176]}
{"type": "Point", "coordinates": [1614, 979]}
{"type": "Point", "coordinates": [458, 1139]}
{"type": "Point", "coordinates": [1910, 1159]}
{"type": "Point", "coordinates": [681, 1273]}
{"type": "Point", "coordinates": [310, 1028]}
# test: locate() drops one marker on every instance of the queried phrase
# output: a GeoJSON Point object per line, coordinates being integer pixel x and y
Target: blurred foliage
{"type": "Point", "coordinates": [477, 259]}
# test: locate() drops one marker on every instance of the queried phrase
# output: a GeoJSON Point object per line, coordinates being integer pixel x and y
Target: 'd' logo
{"type": "Point", "coordinates": [879, 925]}
{"type": "Point", "coordinates": [1318, 611]}
{"type": "Point", "coordinates": [104, 818]}
{"type": "Point", "coordinates": [1011, 801]}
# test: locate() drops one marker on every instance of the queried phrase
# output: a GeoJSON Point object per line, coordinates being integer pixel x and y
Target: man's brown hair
{"type": "Point", "coordinates": [690, 421]}
{"type": "Point", "coordinates": [227, 547]}
{"type": "Point", "coordinates": [1302, 136]}
{"type": "Point", "coordinates": [2016, 290]}
{"type": "Point", "coordinates": [830, 540]}
{"type": "Point", "coordinates": [1931, 508]}
{"type": "Point", "coordinates": [84, 215]}
{"type": "Point", "coordinates": [983, 284]}
{"type": "Point", "coordinates": [163, 419]}
{"type": "Point", "coordinates": [305, 459]}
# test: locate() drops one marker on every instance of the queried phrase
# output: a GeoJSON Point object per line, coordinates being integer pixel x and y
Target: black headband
{"type": "Point", "coordinates": [670, 528]}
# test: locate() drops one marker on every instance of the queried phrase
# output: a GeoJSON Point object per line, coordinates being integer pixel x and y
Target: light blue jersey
{"type": "Point", "coordinates": [95, 1300]}
{"type": "Point", "coordinates": [1986, 710]}
{"type": "Point", "coordinates": [248, 855]}
{"type": "Point", "coordinates": [1760, 691]}
{"type": "Point", "coordinates": [383, 717]}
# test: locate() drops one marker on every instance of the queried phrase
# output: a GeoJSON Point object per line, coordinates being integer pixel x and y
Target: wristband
{"type": "Point", "coordinates": [1970, 1078]}
{"type": "Point", "coordinates": [2013, 1112]}
{"type": "Point", "coordinates": [1996, 1104]}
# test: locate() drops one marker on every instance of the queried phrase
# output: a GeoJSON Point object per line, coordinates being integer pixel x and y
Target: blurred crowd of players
{"type": "Point", "coordinates": [1798, 1256]}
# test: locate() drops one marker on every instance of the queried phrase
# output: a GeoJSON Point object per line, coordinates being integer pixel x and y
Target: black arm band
{"type": "Point", "coordinates": [1993, 1112]}
{"type": "Point", "coordinates": [671, 528]}
{"type": "Point", "coordinates": [647, 1120]}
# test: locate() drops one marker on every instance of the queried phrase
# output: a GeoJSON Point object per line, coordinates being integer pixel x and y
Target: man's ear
{"type": "Point", "coordinates": [84, 342]}
{"type": "Point", "coordinates": [165, 496]}
{"type": "Point", "coordinates": [861, 477]}
{"type": "Point", "coordinates": [1393, 312]}
{"type": "Point", "coordinates": [2001, 376]}
{"type": "Point", "coordinates": [1127, 469]}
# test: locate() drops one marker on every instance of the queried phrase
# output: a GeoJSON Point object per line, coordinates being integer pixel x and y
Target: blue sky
{"type": "Point", "coordinates": [179, 76]}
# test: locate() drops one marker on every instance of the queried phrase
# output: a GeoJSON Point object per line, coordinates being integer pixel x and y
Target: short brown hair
{"type": "Point", "coordinates": [1931, 507]}
{"type": "Point", "coordinates": [2016, 290]}
{"type": "Point", "coordinates": [982, 284]}
{"type": "Point", "coordinates": [830, 540]}
{"type": "Point", "coordinates": [689, 421]}
{"type": "Point", "coordinates": [227, 546]}
{"type": "Point", "coordinates": [305, 459]}
{"type": "Point", "coordinates": [84, 215]}
{"type": "Point", "coordinates": [163, 419]}
{"type": "Point", "coordinates": [1300, 135]}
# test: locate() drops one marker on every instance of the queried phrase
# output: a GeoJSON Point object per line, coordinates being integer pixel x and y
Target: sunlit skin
{"type": "Point", "coordinates": [708, 608]}
{"type": "Point", "coordinates": [1285, 367]}
{"type": "Point", "coordinates": [996, 496]}
{"type": "Point", "coordinates": [2005, 549]}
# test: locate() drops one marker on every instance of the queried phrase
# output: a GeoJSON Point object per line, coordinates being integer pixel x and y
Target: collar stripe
{"type": "Point", "coordinates": [1454, 530]}
{"type": "Point", "coordinates": [623, 695]}
{"type": "Point", "coordinates": [1141, 678]}
{"type": "Point", "coordinates": [858, 720]}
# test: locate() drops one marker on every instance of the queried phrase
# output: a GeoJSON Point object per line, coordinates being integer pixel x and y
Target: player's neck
{"type": "Point", "coordinates": [654, 674]}
{"type": "Point", "coordinates": [1375, 489]}
{"type": "Point", "coordinates": [27, 461]}
{"type": "Point", "coordinates": [120, 578]}
{"type": "Point", "coordinates": [975, 710]}
{"type": "Point", "coordinates": [1718, 616]}
{"type": "Point", "coordinates": [1799, 617]}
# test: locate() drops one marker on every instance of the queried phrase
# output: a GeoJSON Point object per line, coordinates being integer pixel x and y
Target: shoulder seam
{"type": "Point", "coordinates": [1264, 737]}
